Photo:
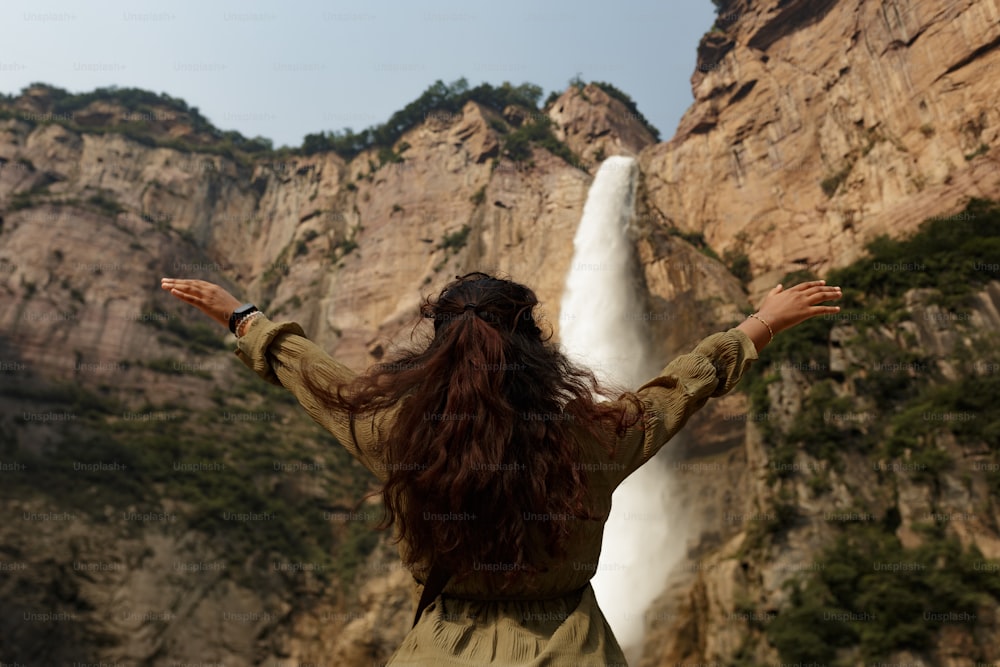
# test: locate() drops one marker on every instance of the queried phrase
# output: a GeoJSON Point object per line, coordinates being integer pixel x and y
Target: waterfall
{"type": "Point", "coordinates": [602, 327]}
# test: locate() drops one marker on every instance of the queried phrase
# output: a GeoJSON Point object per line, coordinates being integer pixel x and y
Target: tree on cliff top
{"type": "Point", "coordinates": [439, 98]}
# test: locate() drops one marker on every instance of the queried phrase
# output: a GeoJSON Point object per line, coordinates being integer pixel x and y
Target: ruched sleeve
{"type": "Point", "coordinates": [712, 369]}
{"type": "Point", "coordinates": [281, 354]}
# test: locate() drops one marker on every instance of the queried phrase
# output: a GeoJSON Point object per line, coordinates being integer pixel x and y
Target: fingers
{"type": "Point", "coordinates": [189, 284]}
{"type": "Point", "coordinates": [824, 293]}
{"type": "Point", "coordinates": [188, 291]}
{"type": "Point", "coordinates": [188, 297]}
{"type": "Point", "coordinates": [190, 287]}
{"type": "Point", "coordinates": [809, 284]}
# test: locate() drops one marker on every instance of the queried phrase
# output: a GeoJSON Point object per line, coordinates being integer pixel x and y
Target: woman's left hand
{"type": "Point", "coordinates": [207, 297]}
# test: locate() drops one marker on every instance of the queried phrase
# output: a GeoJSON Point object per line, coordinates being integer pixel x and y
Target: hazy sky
{"type": "Point", "coordinates": [283, 70]}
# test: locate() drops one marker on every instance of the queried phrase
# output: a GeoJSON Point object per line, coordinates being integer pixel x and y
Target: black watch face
{"type": "Point", "coordinates": [238, 313]}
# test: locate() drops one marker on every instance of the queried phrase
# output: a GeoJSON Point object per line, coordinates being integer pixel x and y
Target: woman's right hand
{"type": "Point", "coordinates": [784, 308]}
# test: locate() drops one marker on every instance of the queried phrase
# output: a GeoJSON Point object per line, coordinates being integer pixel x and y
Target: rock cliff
{"type": "Point", "coordinates": [819, 125]}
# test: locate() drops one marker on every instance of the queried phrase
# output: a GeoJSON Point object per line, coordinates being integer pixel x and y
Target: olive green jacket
{"type": "Point", "coordinates": [550, 618]}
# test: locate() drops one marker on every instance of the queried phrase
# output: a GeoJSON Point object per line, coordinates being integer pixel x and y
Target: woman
{"type": "Point", "coordinates": [498, 457]}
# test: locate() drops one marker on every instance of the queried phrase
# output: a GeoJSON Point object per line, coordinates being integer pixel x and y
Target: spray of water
{"type": "Point", "coordinates": [601, 326]}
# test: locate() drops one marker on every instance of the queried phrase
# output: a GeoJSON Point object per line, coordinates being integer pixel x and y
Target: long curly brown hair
{"type": "Point", "coordinates": [483, 432]}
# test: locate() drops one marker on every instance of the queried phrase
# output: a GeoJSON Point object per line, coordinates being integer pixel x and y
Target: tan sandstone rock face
{"type": "Point", "coordinates": [889, 106]}
{"type": "Point", "coordinates": [594, 124]}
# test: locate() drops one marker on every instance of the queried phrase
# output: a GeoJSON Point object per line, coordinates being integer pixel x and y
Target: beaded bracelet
{"type": "Point", "coordinates": [761, 320]}
{"type": "Point", "coordinates": [241, 326]}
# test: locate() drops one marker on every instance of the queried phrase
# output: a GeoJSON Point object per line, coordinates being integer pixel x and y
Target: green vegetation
{"type": "Point", "coordinates": [235, 469]}
{"type": "Point", "coordinates": [148, 108]}
{"type": "Point", "coordinates": [517, 144]}
{"type": "Point", "coordinates": [173, 366]}
{"type": "Point", "coordinates": [737, 260]}
{"type": "Point", "coordinates": [455, 240]}
{"type": "Point", "coordinates": [200, 337]}
{"type": "Point", "coordinates": [387, 155]}
{"type": "Point", "coordinates": [630, 105]}
{"type": "Point", "coordinates": [439, 98]}
{"type": "Point", "coordinates": [890, 405]}
{"type": "Point", "coordinates": [738, 264]}
{"type": "Point", "coordinates": [147, 112]}
{"type": "Point", "coordinates": [28, 198]}
{"type": "Point", "coordinates": [479, 196]}
{"type": "Point", "coordinates": [346, 247]}
{"type": "Point", "coordinates": [947, 253]}
{"type": "Point", "coordinates": [871, 592]}
{"type": "Point", "coordinates": [452, 243]}
{"type": "Point", "coordinates": [966, 407]}
{"type": "Point", "coordinates": [106, 203]}
{"type": "Point", "coordinates": [697, 239]}
{"type": "Point", "coordinates": [832, 183]}
{"type": "Point", "coordinates": [982, 149]}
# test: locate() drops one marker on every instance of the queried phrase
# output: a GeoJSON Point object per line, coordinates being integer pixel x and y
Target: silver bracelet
{"type": "Point", "coordinates": [244, 323]}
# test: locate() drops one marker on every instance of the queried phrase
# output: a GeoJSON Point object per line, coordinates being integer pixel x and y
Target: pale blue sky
{"type": "Point", "coordinates": [283, 70]}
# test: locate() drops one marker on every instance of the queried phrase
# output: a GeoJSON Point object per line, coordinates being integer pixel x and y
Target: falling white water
{"type": "Point", "coordinates": [602, 326]}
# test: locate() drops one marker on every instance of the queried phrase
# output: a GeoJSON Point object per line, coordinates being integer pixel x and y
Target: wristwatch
{"type": "Point", "coordinates": [239, 314]}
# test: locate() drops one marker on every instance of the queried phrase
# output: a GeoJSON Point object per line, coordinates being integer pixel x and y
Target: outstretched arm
{"type": "Point", "coordinates": [282, 355]}
{"type": "Point", "coordinates": [713, 368]}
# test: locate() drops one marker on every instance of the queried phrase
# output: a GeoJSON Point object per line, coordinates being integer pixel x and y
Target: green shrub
{"type": "Point", "coordinates": [244, 481]}
{"type": "Point", "coordinates": [479, 196]}
{"type": "Point", "coordinates": [832, 183]}
{"type": "Point", "coordinates": [738, 264]}
{"type": "Point", "coordinates": [440, 98]}
{"type": "Point", "coordinates": [228, 143]}
{"type": "Point", "coordinates": [906, 409]}
{"type": "Point", "coordinates": [849, 600]}
{"type": "Point", "coordinates": [347, 246]}
{"type": "Point", "coordinates": [517, 144]}
{"type": "Point", "coordinates": [630, 105]}
{"type": "Point", "coordinates": [982, 149]}
{"type": "Point", "coordinates": [456, 240]}
{"type": "Point", "coordinates": [946, 254]}
{"type": "Point", "coordinates": [803, 632]}
{"type": "Point", "coordinates": [697, 239]}
{"type": "Point", "coordinates": [199, 337]}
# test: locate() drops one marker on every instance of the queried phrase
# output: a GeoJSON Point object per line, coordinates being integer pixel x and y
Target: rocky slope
{"type": "Point", "coordinates": [815, 128]}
